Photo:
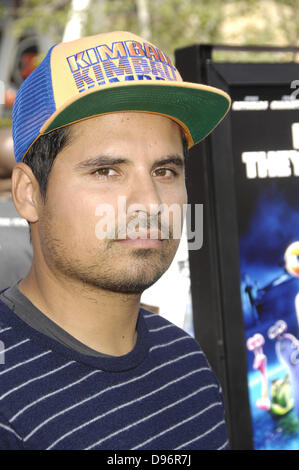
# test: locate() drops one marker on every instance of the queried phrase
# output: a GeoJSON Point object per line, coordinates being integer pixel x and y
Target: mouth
{"type": "Point", "coordinates": [142, 240]}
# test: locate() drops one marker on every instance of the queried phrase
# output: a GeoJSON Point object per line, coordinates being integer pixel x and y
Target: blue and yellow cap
{"type": "Point", "coordinates": [108, 73]}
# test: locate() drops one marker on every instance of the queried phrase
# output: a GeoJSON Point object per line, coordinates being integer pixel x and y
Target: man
{"type": "Point", "coordinates": [15, 248]}
{"type": "Point", "coordinates": [102, 122]}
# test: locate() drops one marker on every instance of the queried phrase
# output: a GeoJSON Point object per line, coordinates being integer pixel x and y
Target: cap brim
{"type": "Point", "coordinates": [197, 108]}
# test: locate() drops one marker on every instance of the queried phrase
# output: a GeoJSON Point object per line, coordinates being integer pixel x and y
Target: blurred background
{"type": "Point", "coordinates": [229, 293]}
{"type": "Point", "coordinates": [29, 27]}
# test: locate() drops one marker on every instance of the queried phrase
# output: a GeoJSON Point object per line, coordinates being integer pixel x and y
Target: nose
{"type": "Point", "coordinates": [143, 192]}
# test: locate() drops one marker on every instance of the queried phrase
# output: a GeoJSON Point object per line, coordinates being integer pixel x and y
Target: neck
{"type": "Point", "coordinates": [102, 320]}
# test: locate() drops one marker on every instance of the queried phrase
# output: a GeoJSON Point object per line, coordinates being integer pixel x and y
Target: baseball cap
{"type": "Point", "coordinates": [108, 73]}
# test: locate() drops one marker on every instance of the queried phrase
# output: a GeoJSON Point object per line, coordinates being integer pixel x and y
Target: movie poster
{"type": "Point", "coordinates": [265, 135]}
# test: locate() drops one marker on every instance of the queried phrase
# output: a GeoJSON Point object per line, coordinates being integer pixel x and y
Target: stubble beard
{"type": "Point", "coordinates": [110, 267]}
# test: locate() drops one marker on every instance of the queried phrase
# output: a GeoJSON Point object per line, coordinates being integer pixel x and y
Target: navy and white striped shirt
{"type": "Point", "coordinates": [162, 395]}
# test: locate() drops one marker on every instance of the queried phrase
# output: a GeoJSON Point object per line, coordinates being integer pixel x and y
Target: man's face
{"type": "Point", "coordinates": [132, 157]}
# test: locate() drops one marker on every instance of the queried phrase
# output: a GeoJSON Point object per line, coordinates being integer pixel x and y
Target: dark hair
{"type": "Point", "coordinates": [41, 155]}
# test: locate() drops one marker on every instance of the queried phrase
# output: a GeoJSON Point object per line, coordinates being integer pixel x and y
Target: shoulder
{"type": "Point", "coordinates": [19, 354]}
{"type": "Point", "coordinates": [175, 343]}
{"type": "Point", "coordinates": [7, 332]}
{"type": "Point", "coordinates": [162, 328]}
{"type": "Point", "coordinates": [181, 361]}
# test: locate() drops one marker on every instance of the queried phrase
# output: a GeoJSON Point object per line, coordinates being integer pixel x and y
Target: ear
{"type": "Point", "coordinates": [25, 192]}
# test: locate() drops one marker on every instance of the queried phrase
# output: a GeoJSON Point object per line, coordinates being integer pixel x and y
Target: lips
{"type": "Point", "coordinates": [140, 243]}
{"type": "Point", "coordinates": [141, 236]}
{"type": "Point", "coordinates": [141, 240]}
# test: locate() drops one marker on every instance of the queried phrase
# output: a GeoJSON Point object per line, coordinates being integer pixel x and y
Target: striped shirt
{"type": "Point", "coordinates": [162, 395]}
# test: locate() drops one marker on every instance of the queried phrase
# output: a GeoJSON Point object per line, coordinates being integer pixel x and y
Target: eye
{"type": "Point", "coordinates": [165, 172]}
{"type": "Point", "coordinates": [105, 172]}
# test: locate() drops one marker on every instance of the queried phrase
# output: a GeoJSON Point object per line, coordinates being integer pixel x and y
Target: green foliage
{"type": "Point", "coordinates": [178, 23]}
{"type": "Point", "coordinates": [172, 23]}
{"type": "Point", "coordinates": [289, 22]}
{"type": "Point", "coordinates": [43, 16]}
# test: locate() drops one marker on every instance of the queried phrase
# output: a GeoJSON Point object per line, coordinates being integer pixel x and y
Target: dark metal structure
{"type": "Point", "coordinates": [212, 180]}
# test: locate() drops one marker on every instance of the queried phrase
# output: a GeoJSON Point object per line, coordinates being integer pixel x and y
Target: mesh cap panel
{"type": "Point", "coordinates": [32, 108]}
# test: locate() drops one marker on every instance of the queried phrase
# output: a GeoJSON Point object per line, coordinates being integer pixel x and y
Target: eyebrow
{"type": "Point", "coordinates": [105, 160]}
{"type": "Point", "coordinates": [102, 160]}
{"type": "Point", "coordinates": [174, 160]}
